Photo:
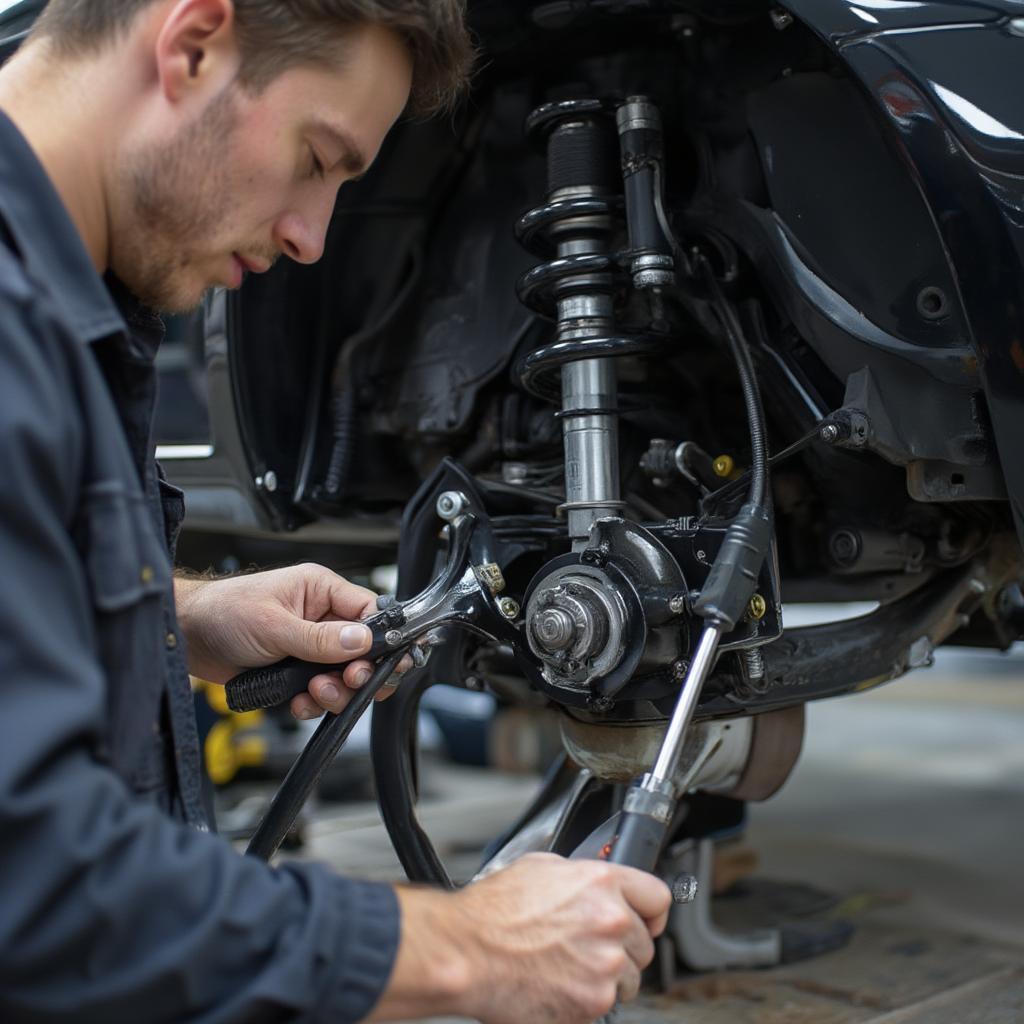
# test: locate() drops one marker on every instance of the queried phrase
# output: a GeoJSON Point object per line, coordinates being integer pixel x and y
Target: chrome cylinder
{"type": "Point", "coordinates": [589, 402]}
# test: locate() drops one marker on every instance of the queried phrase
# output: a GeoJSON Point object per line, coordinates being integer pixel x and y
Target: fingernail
{"type": "Point", "coordinates": [329, 694]}
{"type": "Point", "coordinates": [361, 677]}
{"type": "Point", "coordinates": [355, 638]}
{"type": "Point", "coordinates": [306, 715]}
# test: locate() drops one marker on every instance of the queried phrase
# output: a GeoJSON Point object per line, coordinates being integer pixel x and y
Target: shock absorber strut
{"type": "Point", "coordinates": [575, 287]}
{"type": "Point", "coordinates": [583, 181]}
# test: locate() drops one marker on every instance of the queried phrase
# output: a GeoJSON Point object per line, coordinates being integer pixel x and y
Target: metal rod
{"type": "Point", "coordinates": [675, 738]}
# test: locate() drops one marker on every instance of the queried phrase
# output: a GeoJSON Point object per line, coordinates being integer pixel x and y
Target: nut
{"type": "Point", "coordinates": [724, 466]}
{"type": "Point", "coordinates": [684, 888]}
{"type": "Point", "coordinates": [758, 608]}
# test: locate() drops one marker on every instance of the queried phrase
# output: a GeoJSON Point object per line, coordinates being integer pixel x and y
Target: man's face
{"type": "Point", "coordinates": [253, 177]}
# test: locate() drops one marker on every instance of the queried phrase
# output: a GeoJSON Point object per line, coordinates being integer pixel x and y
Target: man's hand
{"type": "Point", "coordinates": [547, 940]}
{"type": "Point", "coordinates": [306, 612]}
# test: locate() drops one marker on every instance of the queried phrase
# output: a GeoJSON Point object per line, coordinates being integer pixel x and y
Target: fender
{"type": "Point", "coordinates": [946, 79]}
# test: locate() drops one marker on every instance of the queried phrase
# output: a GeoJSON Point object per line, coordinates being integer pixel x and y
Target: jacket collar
{"type": "Point", "coordinates": [48, 242]}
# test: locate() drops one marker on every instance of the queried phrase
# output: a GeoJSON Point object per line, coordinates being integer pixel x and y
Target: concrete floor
{"type": "Point", "coordinates": [908, 804]}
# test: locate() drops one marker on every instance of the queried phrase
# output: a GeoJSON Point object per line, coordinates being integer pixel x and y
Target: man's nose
{"type": "Point", "coordinates": [301, 234]}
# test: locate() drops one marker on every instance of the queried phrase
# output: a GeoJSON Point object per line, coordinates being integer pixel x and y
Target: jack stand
{"type": "Point", "coordinates": [699, 944]}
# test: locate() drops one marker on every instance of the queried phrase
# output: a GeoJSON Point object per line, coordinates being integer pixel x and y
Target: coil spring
{"type": "Point", "coordinates": [560, 277]}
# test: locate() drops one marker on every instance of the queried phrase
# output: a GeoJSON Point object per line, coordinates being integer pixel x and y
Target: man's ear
{"type": "Point", "coordinates": [196, 50]}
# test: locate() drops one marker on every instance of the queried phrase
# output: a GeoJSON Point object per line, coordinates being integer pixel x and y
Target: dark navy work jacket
{"type": "Point", "coordinates": [117, 904]}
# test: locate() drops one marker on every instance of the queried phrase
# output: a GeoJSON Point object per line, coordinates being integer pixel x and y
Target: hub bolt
{"type": "Point", "coordinates": [554, 629]}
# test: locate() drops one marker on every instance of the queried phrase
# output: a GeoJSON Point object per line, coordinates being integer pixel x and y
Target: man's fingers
{"type": "Point", "coordinates": [357, 675]}
{"type": "Point", "coordinates": [349, 601]}
{"type": "Point", "coordinates": [330, 642]}
{"type": "Point", "coordinates": [638, 944]}
{"type": "Point", "coordinates": [628, 985]}
{"type": "Point", "coordinates": [656, 925]}
{"type": "Point", "coordinates": [304, 708]}
{"type": "Point", "coordinates": [650, 897]}
{"type": "Point", "coordinates": [330, 692]}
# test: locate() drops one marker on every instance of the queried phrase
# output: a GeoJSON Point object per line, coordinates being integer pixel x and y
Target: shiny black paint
{"type": "Point", "coordinates": [948, 80]}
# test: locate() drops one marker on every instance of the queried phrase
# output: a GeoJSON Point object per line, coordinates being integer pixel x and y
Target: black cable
{"type": "Point", "coordinates": [733, 330]}
{"type": "Point", "coordinates": [318, 753]}
{"type": "Point", "coordinates": [733, 577]}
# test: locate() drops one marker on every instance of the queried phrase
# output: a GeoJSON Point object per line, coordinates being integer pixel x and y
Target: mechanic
{"type": "Point", "coordinates": [151, 149]}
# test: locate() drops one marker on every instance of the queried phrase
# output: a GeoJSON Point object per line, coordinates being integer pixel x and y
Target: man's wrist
{"type": "Point", "coordinates": [437, 971]}
{"type": "Point", "coordinates": [186, 587]}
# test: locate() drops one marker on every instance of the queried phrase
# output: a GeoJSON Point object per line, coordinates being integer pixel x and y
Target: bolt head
{"type": "Point", "coordinates": [758, 607]}
{"type": "Point", "coordinates": [451, 504]}
{"type": "Point", "coordinates": [679, 670]}
{"type": "Point", "coordinates": [684, 888]}
{"type": "Point", "coordinates": [829, 433]}
{"type": "Point", "coordinates": [393, 637]}
{"type": "Point", "coordinates": [723, 465]}
{"type": "Point", "coordinates": [677, 604]}
{"type": "Point", "coordinates": [509, 608]}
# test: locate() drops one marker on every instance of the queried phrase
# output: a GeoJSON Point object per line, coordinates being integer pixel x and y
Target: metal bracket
{"type": "Point", "coordinates": [699, 943]}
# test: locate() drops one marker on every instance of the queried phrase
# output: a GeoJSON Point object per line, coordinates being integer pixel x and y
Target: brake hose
{"type": "Point", "coordinates": [318, 753]}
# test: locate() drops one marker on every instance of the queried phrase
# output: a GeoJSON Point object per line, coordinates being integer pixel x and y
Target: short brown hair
{"type": "Point", "coordinates": [274, 35]}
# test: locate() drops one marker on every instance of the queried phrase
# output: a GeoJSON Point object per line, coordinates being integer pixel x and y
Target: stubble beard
{"type": "Point", "coordinates": [180, 195]}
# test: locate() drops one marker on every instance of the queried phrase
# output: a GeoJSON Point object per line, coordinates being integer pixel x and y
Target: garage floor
{"type": "Point", "coordinates": [908, 805]}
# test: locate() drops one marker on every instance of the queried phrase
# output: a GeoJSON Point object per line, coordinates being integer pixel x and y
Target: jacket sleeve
{"type": "Point", "coordinates": [110, 910]}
